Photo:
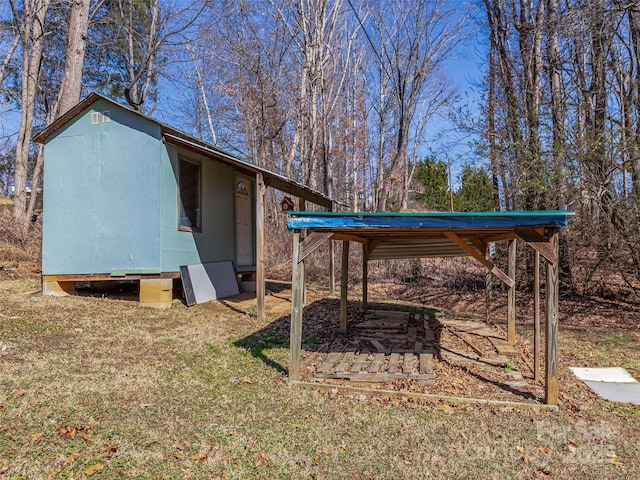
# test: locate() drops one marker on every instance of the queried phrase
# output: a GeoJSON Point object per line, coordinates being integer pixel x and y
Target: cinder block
{"type": "Point", "coordinates": [156, 292]}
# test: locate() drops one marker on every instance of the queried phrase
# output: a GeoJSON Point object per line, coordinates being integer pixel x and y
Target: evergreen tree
{"type": "Point", "coordinates": [432, 181]}
{"type": "Point", "coordinates": [475, 193]}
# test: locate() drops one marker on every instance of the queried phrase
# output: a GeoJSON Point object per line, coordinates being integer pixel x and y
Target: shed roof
{"type": "Point", "coordinates": [431, 234]}
{"type": "Point", "coordinates": [178, 138]}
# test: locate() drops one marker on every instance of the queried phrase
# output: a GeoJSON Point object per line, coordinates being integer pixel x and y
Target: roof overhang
{"type": "Point", "coordinates": [271, 179]}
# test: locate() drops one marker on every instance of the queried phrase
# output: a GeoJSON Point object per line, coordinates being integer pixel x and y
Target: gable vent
{"type": "Point", "coordinates": [100, 117]}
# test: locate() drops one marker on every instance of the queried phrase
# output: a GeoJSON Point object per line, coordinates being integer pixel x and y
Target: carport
{"type": "Point", "coordinates": [435, 234]}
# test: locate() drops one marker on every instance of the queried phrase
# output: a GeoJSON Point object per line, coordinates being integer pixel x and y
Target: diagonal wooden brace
{"type": "Point", "coordinates": [538, 242]}
{"type": "Point", "coordinates": [311, 242]}
{"type": "Point", "coordinates": [480, 258]}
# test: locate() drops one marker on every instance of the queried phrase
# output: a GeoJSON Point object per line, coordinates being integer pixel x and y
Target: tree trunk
{"type": "Point", "coordinates": [76, 43]}
{"type": "Point", "coordinates": [32, 35]}
{"type": "Point", "coordinates": [634, 25]}
{"type": "Point", "coordinates": [558, 113]}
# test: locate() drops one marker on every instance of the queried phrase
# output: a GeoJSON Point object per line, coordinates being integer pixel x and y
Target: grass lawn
{"type": "Point", "coordinates": [101, 388]}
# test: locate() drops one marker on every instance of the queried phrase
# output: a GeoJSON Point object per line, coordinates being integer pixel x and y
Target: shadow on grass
{"type": "Point", "coordinates": [320, 330]}
{"type": "Point", "coordinates": [504, 386]}
{"type": "Point", "coordinates": [318, 326]}
{"type": "Point", "coordinates": [321, 333]}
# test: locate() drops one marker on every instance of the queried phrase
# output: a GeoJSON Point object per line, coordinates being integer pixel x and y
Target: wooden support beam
{"type": "Point", "coordinates": [551, 350]}
{"type": "Point", "coordinates": [365, 279]}
{"type": "Point", "coordinates": [372, 245]}
{"type": "Point", "coordinates": [500, 237]}
{"type": "Point", "coordinates": [260, 277]}
{"type": "Point", "coordinates": [295, 332]}
{"type": "Point", "coordinates": [511, 295]}
{"type": "Point", "coordinates": [344, 278]}
{"type": "Point", "coordinates": [488, 286]}
{"type": "Point", "coordinates": [311, 243]}
{"type": "Point", "coordinates": [332, 268]}
{"type": "Point", "coordinates": [349, 237]}
{"type": "Point", "coordinates": [94, 277]}
{"type": "Point", "coordinates": [480, 258]}
{"type": "Point", "coordinates": [479, 244]}
{"type": "Point", "coordinates": [303, 235]}
{"type": "Point", "coordinates": [545, 249]}
{"type": "Point", "coordinates": [530, 234]}
{"type": "Point", "coordinates": [539, 242]}
{"type": "Point", "coordinates": [536, 316]}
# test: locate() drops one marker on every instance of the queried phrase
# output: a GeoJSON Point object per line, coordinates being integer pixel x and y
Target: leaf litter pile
{"type": "Point", "coordinates": [100, 387]}
{"type": "Point", "coordinates": [426, 352]}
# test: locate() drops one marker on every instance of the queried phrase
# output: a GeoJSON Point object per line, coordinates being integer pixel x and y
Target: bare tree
{"type": "Point", "coordinates": [71, 86]}
{"type": "Point", "coordinates": [31, 21]}
{"type": "Point", "coordinates": [413, 40]}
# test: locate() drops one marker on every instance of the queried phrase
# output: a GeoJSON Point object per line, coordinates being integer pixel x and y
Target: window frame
{"type": "Point", "coordinates": [181, 226]}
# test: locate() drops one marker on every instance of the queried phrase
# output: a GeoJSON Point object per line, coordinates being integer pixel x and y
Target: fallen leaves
{"type": "Point", "coordinates": [36, 438]}
{"type": "Point", "coordinates": [525, 458]}
{"type": "Point", "coordinates": [72, 456]}
{"type": "Point", "coordinates": [110, 449]}
{"type": "Point", "coordinates": [67, 432]}
{"type": "Point", "coordinates": [93, 469]}
{"type": "Point", "coordinates": [612, 458]}
{"type": "Point", "coordinates": [544, 470]}
{"type": "Point", "coordinates": [197, 457]}
{"type": "Point", "coordinates": [73, 431]}
{"type": "Point", "coordinates": [5, 466]}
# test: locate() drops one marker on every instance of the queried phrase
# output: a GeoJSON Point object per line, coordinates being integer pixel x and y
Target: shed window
{"type": "Point", "coordinates": [190, 202]}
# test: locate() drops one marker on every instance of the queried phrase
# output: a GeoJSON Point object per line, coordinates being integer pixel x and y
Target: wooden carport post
{"type": "Point", "coordinates": [295, 335]}
{"type": "Point", "coordinates": [511, 299]}
{"type": "Point", "coordinates": [344, 278]}
{"type": "Point", "coordinates": [365, 276]}
{"type": "Point", "coordinates": [551, 353]}
{"type": "Point", "coordinates": [488, 286]}
{"type": "Point", "coordinates": [536, 315]}
{"type": "Point", "coordinates": [332, 268]}
{"type": "Point", "coordinates": [303, 207]}
{"type": "Point", "coordinates": [260, 293]}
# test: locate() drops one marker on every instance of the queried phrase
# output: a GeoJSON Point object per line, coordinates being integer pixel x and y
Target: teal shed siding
{"type": "Point", "coordinates": [217, 241]}
{"type": "Point", "coordinates": [111, 200]}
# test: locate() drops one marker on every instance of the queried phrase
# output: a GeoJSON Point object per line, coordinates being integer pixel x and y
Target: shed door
{"type": "Point", "coordinates": [244, 246]}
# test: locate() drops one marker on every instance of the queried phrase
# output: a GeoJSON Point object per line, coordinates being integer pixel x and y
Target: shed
{"type": "Point", "coordinates": [434, 234]}
{"type": "Point", "coordinates": [130, 198]}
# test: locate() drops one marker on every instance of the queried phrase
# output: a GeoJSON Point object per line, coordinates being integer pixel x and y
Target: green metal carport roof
{"type": "Point", "coordinates": [430, 234]}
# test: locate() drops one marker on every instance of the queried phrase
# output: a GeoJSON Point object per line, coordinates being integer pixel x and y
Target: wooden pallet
{"type": "Point", "coordinates": [390, 331]}
{"type": "Point", "coordinates": [402, 346]}
{"type": "Point", "coordinates": [376, 367]}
